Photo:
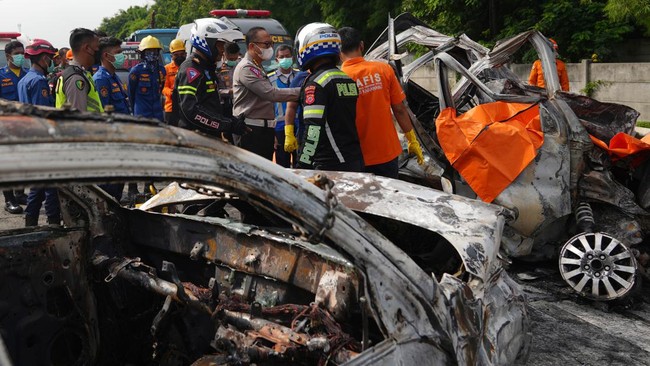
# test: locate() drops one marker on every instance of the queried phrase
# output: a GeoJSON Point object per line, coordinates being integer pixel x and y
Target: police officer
{"type": "Point", "coordinates": [146, 80]}
{"type": "Point", "coordinates": [254, 94]}
{"type": "Point", "coordinates": [10, 75]}
{"type": "Point", "coordinates": [111, 90]}
{"type": "Point", "coordinates": [35, 89]}
{"type": "Point", "coordinates": [177, 49]}
{"type": "Point", "coordinates": [329, 100]}
{"type": "Point", "coordinates": [76, 86]}
{"type": "Point", "coordinates": [196, 88]}
{"type": "Point", "coordinates": [282, 78]}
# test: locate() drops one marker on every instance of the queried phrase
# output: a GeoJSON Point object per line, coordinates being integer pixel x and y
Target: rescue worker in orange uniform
{"type": "Point", "coordinates": [380, 93]}
{"type": "Point", "coordinates": [536, 76]}
{"type": "Point", "coordinates": [177, 49]}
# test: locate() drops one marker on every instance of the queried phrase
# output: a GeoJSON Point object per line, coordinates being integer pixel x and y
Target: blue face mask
{"type": "Point", "coordinates": [231, 63]}
{"type": "Point", "coordinates": [285, 63]}
{"type": "Point", "coordinates": [18, 60]}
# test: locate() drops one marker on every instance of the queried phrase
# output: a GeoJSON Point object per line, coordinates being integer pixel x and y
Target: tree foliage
{"type": "Point", "coordinates": [126, 21]}
{"type": "Point", "coordinates": [581, 27]}
{"type": "Point", "coordinates": [636, 10]}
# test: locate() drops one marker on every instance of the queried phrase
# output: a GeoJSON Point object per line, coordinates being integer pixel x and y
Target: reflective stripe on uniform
{"type": "Point", "coordinates": [313, 111]}
{"type": "Point", "coordinates": [187, 89]}
{"type": "Point", "coordinates": [335, 147]}
{"type": "Point", "coordinates": [331, 75]}
{"type": "Point", "coordinates": [93, 103]}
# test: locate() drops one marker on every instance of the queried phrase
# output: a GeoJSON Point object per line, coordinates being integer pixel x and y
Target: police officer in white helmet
{"type": "Point", "coordinates": [196, 95]}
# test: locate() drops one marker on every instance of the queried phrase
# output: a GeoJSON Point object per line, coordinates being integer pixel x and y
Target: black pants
{"type": "Point", "coordinates": [171, 118]}
{"type": "Point", "coordinates": [282, 157]}
{"type": "Point", "coordinates": [35, 201]}
{"type": "Point", "coordinates": [388, 169]}
{"type": "Point", "coordinates": [9, 196]}
{"type": "Point", "coordinates": [259, 141]}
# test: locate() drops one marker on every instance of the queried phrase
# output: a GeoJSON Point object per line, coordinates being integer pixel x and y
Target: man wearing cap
{"type": "Point", "coordinates": [34, 89]}
{"type": "Point", "coordinates": [254, 95]}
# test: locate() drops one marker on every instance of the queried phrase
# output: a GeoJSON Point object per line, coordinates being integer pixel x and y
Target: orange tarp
{"type": "Point", "coordinates": [623, 145]}
{"type": "Point", "coordinates": [491, 144]}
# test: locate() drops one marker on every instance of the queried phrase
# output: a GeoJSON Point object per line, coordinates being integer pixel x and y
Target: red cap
{"type": "Point", "coordinates": [555, 47]}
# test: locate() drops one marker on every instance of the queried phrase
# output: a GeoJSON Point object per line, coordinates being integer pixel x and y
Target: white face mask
{"type": "Point", "coordinates": [267, 53]}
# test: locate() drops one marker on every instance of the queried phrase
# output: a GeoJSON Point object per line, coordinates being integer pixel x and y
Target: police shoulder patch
{"type": "Point", "coordinates": [103, 91]}
{"type": "Point", "coordinates": [192, 74]}
{"type": "Point", "coordinates": [133, 76]}
{"type": "Point", "coordinates": [45, 92]}
{"type": "Point", "coordinates": [255, 71]}
{"type": "Point", "coordinates": [309, 94]}
{"type": "Point", "coordinates": [80, 84]}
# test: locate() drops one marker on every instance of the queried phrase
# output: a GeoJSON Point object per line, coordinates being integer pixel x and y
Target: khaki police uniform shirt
{"type": "Point", "coordinates": [76, 90]}
{"type": "Point", "coordinates": [253, 93]}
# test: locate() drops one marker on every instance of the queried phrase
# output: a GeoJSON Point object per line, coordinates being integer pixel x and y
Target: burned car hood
{"type": "Point", "coordinates": [308, 281]}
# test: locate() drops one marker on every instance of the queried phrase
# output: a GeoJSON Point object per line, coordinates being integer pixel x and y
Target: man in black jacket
{"type": "Point", "coordinates": [196, 96]}
{"type": "Point", "coordinates": [329, 99]}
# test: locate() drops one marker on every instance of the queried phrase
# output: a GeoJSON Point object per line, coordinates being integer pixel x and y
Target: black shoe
{"type": "Point", "coordinates": [21, 198]}
{"type": "Point", "coordinates": [13, 208]}
{"type": "Point", "coordinates": [54, 220]}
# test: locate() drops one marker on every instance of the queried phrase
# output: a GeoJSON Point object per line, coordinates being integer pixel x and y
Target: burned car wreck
{"type": "Point", "coordinates": [574, 196]}
{"type": "Point", "coordinates": [270, 269]}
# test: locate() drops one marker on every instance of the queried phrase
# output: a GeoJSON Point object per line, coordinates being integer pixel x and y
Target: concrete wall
{"type": "Point", "coordinates": [627, 83]}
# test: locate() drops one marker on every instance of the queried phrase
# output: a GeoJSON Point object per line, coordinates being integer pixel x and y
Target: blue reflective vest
{"type": "Point", "coordinates": [34, 89]}
{"type": "Point", "coordinates": [145, 90]}
{"type": "Point", "coordinates": [111, 91]}
{"type": "Point", "coordinates": [281, 81]}
{"type": "Point", "coordinates": [9, 83]}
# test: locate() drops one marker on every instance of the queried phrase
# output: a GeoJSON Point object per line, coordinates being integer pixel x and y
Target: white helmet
{"type": "Point", "coordinates": [315, 40]}
{"type": "Point", "coordinates": [208, 31]}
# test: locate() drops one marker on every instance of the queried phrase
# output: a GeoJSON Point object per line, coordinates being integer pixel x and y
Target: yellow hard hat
{"type": "Point", "coordinates": [176, 45]}
{"type": "Point", "coordinates": [149, 42]}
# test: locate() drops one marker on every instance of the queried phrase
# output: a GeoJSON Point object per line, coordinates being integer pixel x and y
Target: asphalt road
{"type": "Point", "coordinates": [567, 330]}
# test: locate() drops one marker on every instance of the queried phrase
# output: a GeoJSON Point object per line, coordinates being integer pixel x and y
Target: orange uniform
{"type": "Point", "coordinates": [172, 70]}
{"type": "Point", "coordinates": [378, 90]}
{"type": "Point", "coordinates": [536, 76]}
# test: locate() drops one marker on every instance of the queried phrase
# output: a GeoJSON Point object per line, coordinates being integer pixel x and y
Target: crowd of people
{"type": "Point", "coordinates": [321, 116]}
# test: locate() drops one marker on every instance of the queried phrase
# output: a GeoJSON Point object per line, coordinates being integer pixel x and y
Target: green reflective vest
{"type": "Point", "coordinates": [93, 104]}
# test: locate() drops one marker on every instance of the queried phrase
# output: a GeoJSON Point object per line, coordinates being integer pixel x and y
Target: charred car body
{"type": "Point", "coordinates": [273, 270]}
{"type": "Point", "coordinates": [573, 197]}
